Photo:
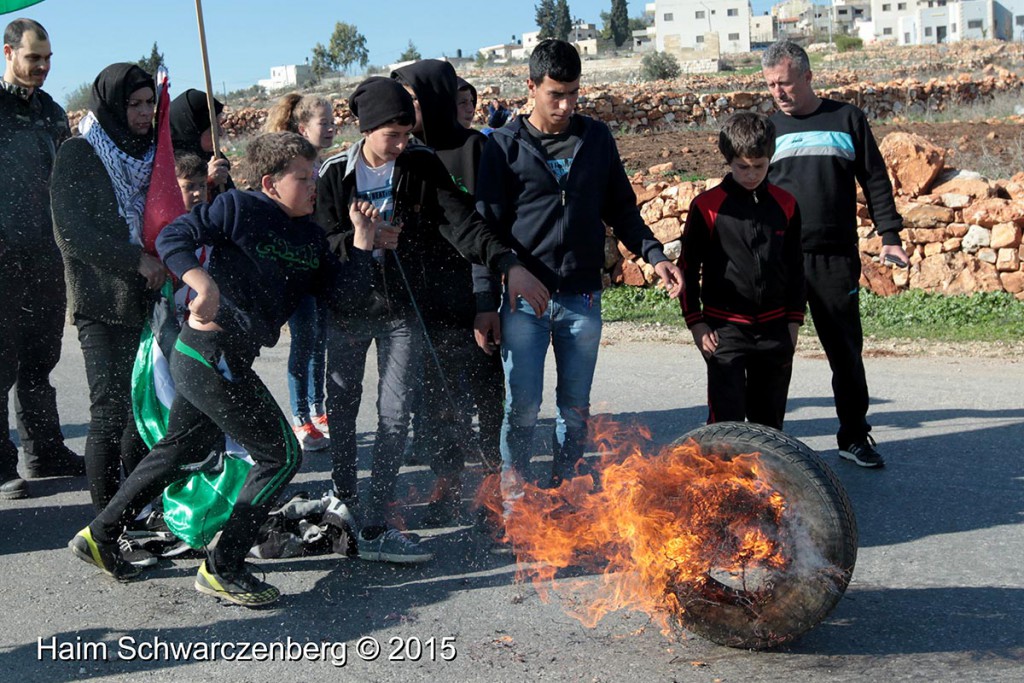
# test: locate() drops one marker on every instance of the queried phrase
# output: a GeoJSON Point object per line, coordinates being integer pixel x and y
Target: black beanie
{"type": "Point", "coordinates": [378, 101]}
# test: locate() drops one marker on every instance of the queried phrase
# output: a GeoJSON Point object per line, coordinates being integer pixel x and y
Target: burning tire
{"type": "Point", "coordinates": [768, 606]}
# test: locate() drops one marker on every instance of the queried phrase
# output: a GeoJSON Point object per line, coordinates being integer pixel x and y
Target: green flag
{"type": "Point", "coordinates": [15, 5]}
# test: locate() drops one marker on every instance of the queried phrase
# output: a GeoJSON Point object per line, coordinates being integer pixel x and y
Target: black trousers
{"type": "Point", "coordinates": [833, 293]}
{"type": "Point", "coordinates": [112, 440]}
{"type": "Point", "coordinates": [749, 373]}
{"type": "Point", "coordinates": [471, 377]}
{"type": "Point", "coordinates": [217, 393]}
{"type": "Point", "coordinates": [31, 327]}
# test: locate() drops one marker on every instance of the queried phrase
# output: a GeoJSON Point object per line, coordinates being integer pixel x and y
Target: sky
{"type": "Point", "coordinates": [246, 38]}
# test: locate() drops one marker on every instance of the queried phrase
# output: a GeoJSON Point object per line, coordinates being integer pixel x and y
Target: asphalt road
{"type": "Point", "coordinates": [937, 594]}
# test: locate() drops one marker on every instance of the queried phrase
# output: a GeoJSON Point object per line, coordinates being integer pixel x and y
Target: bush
{"type": "Point", "coordinates": [847, 43]}
{"type": "Point", "coordinates": [658, 66]}
{"type": "Point", "coordinates": [79, 98]}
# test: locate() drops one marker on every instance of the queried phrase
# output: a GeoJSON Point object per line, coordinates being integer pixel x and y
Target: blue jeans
{"type": "Point", "coordinates": [572, 325]}
{"type": "Point", "coordinates": [306, 364]}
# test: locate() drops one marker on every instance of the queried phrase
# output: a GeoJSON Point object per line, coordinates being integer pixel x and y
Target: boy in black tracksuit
{"type": "Point", "coordinates": [422, 206]}
{"type": "Point", "coordinates": [742, 264]}
{"type": "Point", "coordinates": [267, 254]}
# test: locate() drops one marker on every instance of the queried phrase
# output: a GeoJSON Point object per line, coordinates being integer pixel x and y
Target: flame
{"type": "Point", "coordinates": [656, 529]}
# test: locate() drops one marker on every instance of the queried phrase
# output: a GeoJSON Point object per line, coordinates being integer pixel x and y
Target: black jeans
{"type": "Point", "coordinates": [217, 393]}
{"type": "Point", "coordinates": [113, 440]}
{"type": "Point", "coordinates": [833, 293]}
{"type": "Point", "coordinates": [749, 373]}
{"type": "Point", "coordinates": [444, 421]}
{"type": "Point", "coordinates": [31, 327]}
{"type": "Point", "coordinates": [399, 344]}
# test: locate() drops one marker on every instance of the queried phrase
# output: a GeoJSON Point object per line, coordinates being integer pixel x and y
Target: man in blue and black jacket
{"type": "Point", "coordinates": [824, 148]}
{"type": "Point", "coordinates": [551, 181]}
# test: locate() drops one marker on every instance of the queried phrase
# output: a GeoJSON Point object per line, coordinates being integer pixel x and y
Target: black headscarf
{"type": "Point", "coordinates": [109, 103]}
{"type": "Point", "coordinates": [190, 118]}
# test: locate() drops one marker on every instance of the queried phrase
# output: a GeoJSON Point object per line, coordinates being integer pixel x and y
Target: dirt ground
{"type": "Point", "coordinates": [995, 148]}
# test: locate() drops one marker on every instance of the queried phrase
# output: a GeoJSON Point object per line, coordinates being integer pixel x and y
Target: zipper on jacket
{"type": "Point", "coordinates": [563, 197]}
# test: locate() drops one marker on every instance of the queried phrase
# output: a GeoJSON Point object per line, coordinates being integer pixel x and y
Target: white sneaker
{"type": "Point", "coordinates": [310, 438]}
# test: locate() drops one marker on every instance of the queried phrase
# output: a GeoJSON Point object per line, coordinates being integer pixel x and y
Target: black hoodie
{"type": "Point", "coordinates": [436, 86]}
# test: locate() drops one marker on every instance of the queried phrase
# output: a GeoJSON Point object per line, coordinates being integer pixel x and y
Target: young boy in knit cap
{"type": "Point", "coordinates": [268, 255]}
{"type": "Point", "coordinates": [421, 206]}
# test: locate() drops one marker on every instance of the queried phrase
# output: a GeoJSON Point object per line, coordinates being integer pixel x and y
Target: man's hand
{"type": "Point", "coordinates": [152, 270]}
{"type": "Point", "coordinates": [387, 236]}
{"type": "Point", "coordinates": [794, 331]}
{"type": "Point", "coordinates": [894, 250]}
{"type": "Point", "coordinates": [671, 276]}
{"type": "Point", "coordinates": [206, 303]}
{"type": "Point", "coordinates": [522, 283]}
{"type": "Point", "coordinates": [705, 338]}
{"type": "Point", "coordinates": [367, 222]}
{"type": "Point", "coordinates": [487, 331]}
{"type": "Point", "coordinates": [218, 170]}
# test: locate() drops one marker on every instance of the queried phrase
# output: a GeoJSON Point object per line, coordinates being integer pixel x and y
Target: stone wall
{"type": "Point", "coordinates": [961, 231]}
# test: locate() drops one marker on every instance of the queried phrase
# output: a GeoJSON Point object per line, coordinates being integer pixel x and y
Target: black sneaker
{"type": "Point", "coordinates": [12, 487]}
{"type": "Point", "coordinates": [133, 553]}
{"type": "Point", "coordinates": [106, 556]}
{"type": "Point", "coordinates": [862, 453]}
{"type": "Point", "coordinates": [239, 587]}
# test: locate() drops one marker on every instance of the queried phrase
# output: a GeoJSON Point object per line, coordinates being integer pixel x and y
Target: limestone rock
{"type": "Point", "coordinates": [988, 212]}
{"type": "Point", "coordinates": [927, 216]}
{"type": "Point", "coordinates": [1005, 235]}
{"type": "Point", "coordinates": [976, 238]}
{"type": "Point", "coordinates": [913, 162]}
{"type": "Point", "coordinates": [1007, 260]}
{"type": "Point", "coordinates": [975, 188]}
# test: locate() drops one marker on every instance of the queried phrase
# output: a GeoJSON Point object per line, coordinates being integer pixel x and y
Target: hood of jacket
{"type": "Point", "coordinates": [436, 87]}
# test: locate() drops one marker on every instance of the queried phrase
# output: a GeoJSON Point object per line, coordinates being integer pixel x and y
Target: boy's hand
{"type": "Point", "coordinates": [522, 283]}
{"type": "Point", "coordinates": [206, 303]}
{"type": "Point", "coordinates": [387, 236]}
{"type": "Point", "coordinates": [219, 171]}
{"type": "Point", "coordinates": [705, 338]}
{"type": "Point", "coordinates": [487, 331]}
{"type": "Point", "coordinates": [366, 220]}
{"type": "Point", "coordinates": [152, 270]}
{"type": "Point", "coordinates": [794, 331]}
{"type": "Point", "coordinates": [671, 276]}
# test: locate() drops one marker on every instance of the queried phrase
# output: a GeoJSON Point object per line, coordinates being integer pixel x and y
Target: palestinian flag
{"type": "Point", "coordinates": [163, 199]}
{"type": "Point", "coordinates": [15, 5]}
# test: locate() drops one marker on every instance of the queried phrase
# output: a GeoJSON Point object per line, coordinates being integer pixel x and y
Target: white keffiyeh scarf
{"type": "Point", "coordinates": [130, 176]}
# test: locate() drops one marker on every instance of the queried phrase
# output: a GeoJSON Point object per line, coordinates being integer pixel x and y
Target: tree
{"type": "Point", "coordinates": [619, 22]}
{"type": "Point", "coordinates": [411, 54]}
{"type": "Point", "coordinates": [563, 20]}
{"type": "Point", "coordinates": [546, 18]}
{"type": "Point", "coordinates": [154, 61]}
{"type": "Point", "coordinates": [79, 97]}
{"type": "Point", "coordinates": [346, 47]}
{"type": "Point", "coordinates": [658, 66]}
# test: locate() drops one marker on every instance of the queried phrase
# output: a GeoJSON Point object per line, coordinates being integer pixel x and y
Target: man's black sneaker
{"type": "Point", "coordinates": [133, 553]}
{"type": "Point", "coordinates": [106, 556]}
{"type": "Point", "coordinates": [239, 587]}
{"type": "Point", "coordinates": [58, 462]}
{"type": "Point", "coordinates": [862, 453]}
{"type": "Point", "coordinates": [12, 487]}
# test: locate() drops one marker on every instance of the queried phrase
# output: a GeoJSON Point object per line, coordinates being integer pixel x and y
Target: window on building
{"type": "Point", "coordinates": [842, 12]}
{"type": "Point", "coordinates": [701, 15]}
{"type": "Point", "coordinates": [928, 30]}
{"type": "Point", "coordinates": [906, 38]}
{"type": "Point", "coordinates": [952, 28]}
{"type": "Point", "coordinates": [886, 31]}
{"type": "Point", "coordinates": [734, 36]}
{"type": "Point", "coordinates": [732, 12]}
{"type": "Point", "coordinates": [1019, 20]}
{"type": "Point", "coordinates": [886, 8]}
{"type": "Point", "coordinates": [901, 6]}
{"type": "Point", "coordinates": [700, 39]}
{"type": "Point", "coordinates": [974, 23]}
{"type": "Point", "coordinates": [667, 16]}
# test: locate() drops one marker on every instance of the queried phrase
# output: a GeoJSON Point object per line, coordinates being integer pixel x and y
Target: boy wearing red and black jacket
{"type": "Point", "coordinates": [744, 284]}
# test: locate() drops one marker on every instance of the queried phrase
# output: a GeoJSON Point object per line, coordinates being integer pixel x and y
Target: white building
{"type": "Point", "coordinates": [940, 21]}
{"type": "Point", "coordinates": [1008, 20]}
{"type": "Point", "coordinates": [684, 23]}
{"type": "Point", "coordinates": [288, 76]}
{"type": "Point", "coordinates": [763, 29]}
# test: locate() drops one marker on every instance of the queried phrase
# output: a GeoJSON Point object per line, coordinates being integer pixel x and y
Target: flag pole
{"type": "Point", "coordinates": [209, 84]}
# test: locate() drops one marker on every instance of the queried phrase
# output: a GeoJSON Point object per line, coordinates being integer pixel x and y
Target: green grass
{"type": "Point", "coordinates": [987, 316]}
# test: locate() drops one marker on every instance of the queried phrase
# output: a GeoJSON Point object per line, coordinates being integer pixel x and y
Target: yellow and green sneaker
{"type": "Point", "coordinates": [106, 556]}
{"type": "Point", "coordinates": [239, 587]}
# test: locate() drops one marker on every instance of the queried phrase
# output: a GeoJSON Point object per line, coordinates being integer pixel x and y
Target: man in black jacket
{"type": "Point", "coordinates": [32, 126]}
{"type": "Point", "coordinates": [824, 148]}
{"type": "Point", "coordinates": [551, 181]}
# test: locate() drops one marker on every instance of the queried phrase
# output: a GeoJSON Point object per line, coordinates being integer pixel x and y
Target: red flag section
{"type": "Point", "coordinates": [163, 201]}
